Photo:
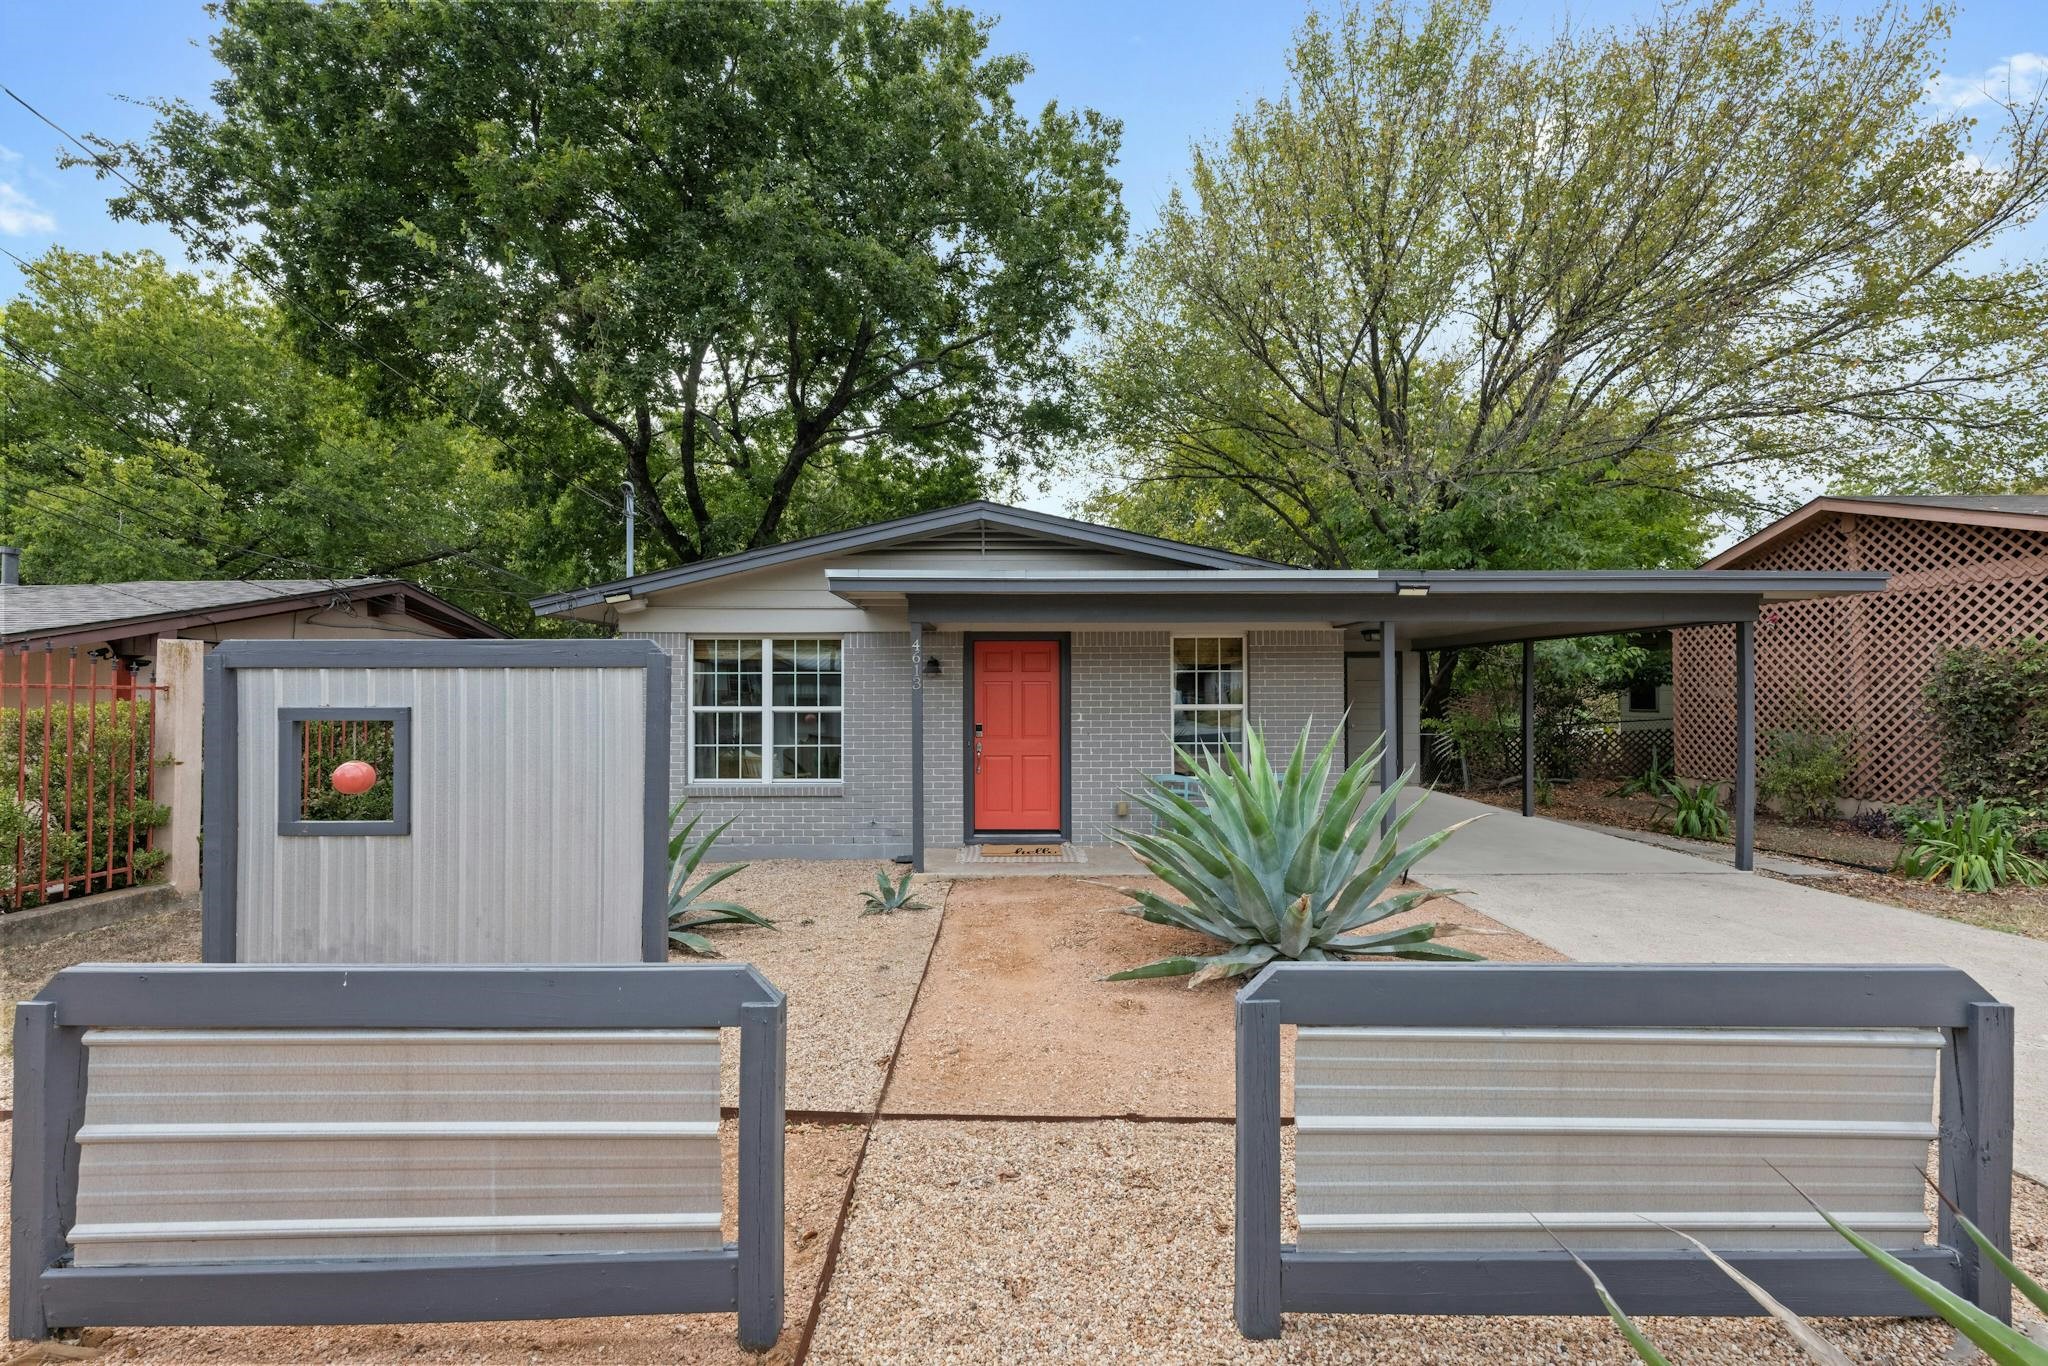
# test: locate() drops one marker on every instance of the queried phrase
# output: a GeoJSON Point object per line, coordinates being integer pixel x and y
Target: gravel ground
{"type": "Point", "coordinates": [850, 978]}
{"type": "Point", "coordinates": [819, 1163]}
{"type": "Point", "coordinates": [1111, 1241]}
{"type": "Point", "coordinates": [1015, 1018]}
{"type": "Point", "coordinates": [167, 937]}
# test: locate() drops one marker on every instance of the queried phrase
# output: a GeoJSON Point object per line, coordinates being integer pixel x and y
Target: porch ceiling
{"type": "Point", "coordinates": [1435, 609]}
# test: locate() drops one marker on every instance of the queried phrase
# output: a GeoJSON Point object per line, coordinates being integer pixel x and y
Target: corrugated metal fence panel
{"type": "Point", "coordinates": [527, 791]}
{"type": "Point", "coordinates": [1425, 1139]}
{"type": "Point", "coordinates": [238, 1145]}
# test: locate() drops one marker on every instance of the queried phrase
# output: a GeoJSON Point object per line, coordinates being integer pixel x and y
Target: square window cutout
{"type": "Point", "coordinates": [344, 771]}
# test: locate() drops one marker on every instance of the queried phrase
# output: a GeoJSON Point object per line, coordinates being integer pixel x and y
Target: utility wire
{"type": "Point", "coordinates": [217, 248]}
{"type": "Point", "coordinates": [290, 481]}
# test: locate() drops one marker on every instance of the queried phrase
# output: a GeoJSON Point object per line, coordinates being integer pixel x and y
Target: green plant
{"type": "Point", "coordinates": [1273, 871]}
{"type": "Point", "coordinates": [686, 913]}
{"type": "Point", "coordinates": [889, 897]}
{"type": "Point", "coordinates": [1696, 811]}
{"type": "Point", "coordinates": [93, 761]}
{"type": "Point", "coordinates": [1805, 771]}
{"type": "Point", "coordinates": [1990, 707]}
{"type": "Point", "coordinates": [1650, 781]}
{"type": "Point", "coordinates": [1977, 849]}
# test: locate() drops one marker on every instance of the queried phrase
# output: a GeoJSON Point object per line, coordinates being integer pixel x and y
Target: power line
{"type": "Point", "coordinates": [290, 481]}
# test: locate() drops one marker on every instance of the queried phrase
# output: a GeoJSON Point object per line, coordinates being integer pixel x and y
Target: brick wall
{"type": "Point", "coordinates": [1121, 685]}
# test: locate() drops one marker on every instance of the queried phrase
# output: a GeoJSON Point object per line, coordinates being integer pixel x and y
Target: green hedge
{"type": "Point", "coordinates": [99, 770]}
{"type": "Point", "coordinates": [1991, 710]}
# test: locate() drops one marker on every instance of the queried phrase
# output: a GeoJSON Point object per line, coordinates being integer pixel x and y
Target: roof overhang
{"type": "Point", "coordinates": [1873, 507]}
{"type": "Point", "coordinates": [1434, 609]}
{"type": "Point", "coordinates": [411, 599]}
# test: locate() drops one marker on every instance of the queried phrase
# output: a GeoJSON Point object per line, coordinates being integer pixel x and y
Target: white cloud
{"type": "Point", "coordinates": [2015, 80]}
{"type": "Point", "coordinates": [20, 215]}
{"type": "Point", "coordinates": [8, 154]}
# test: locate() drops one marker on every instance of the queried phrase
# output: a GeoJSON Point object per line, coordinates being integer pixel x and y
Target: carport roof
{"type": "Point", "coordinates": [1435, 609]}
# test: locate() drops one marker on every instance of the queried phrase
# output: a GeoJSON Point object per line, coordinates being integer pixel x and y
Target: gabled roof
{"type": "Point", "coordinates": [2025, 511]}
{"type": "Point", "coordinates": [71, 613]}
{"type": "Point", "coordinates": [966, 516]}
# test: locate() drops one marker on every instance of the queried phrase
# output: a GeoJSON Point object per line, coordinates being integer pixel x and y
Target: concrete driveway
{"type": "Point", "coordinates": [1602, 899]}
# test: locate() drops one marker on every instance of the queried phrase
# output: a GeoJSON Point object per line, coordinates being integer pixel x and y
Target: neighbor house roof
{"type": "Point", "coordinates": [75, 613]}
{"type": "Point", "coordinates": [2025, 511]}
{"type": "Point", "coordinates": [966, 516]}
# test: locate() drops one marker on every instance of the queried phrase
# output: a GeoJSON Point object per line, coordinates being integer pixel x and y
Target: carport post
{"type": "Point", "coordinates": [1390, 719]}
{"type": "Point", "coordinates": [916, 745]}
{"type": "Point", "coordinates": [1528, 727]}
{"type": "Point", "coordinates": [1745, 745]}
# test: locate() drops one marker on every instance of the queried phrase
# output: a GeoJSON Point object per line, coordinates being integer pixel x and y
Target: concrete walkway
{"type": "Point", "coordinates": [1602, 899]}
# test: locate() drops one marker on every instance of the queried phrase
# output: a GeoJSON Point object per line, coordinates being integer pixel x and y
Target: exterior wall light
{"type": "Point", "coordinates": [932, 668]}
{"type": "Point", "coordinates": [1412, 590]}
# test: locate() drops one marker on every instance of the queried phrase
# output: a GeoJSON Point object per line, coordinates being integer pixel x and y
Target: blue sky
{"type": "Point", "coordinates": [1172, 70]}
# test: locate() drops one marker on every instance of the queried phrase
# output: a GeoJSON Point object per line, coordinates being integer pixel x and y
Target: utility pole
{"type": "Point", "coordinates": [626, 489]}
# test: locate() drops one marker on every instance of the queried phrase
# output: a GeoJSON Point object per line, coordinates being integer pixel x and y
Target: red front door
{"type": "Point", "coordinates": [1016, 736]}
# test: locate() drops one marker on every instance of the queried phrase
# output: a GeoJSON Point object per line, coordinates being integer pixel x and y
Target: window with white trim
{"type": "Point", "coordinates": [1208, 696]}
{"type": "Point", "coordinates": [765, 709]}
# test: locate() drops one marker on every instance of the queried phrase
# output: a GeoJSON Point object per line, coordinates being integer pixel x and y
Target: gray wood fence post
{"type": "Point", "coordinates": [763, 1061]}
{"type": "Point", "coordinates": [1390, 718]}
{"type": "Point", "coordinates": [1528, 727]}
{"type": "Point", "coordinates": [1258, 1168]}
{"type": "Point", "coordinates": [1744, 796]}
{"type": "Point", "coordinates": [1976, 1160]}
{"type": "Point", "coordinates": [49, 1103]}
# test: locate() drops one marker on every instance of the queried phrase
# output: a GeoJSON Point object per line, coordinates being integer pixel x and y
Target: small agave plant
{"type": "Point", "coordinates": [1274, 871]}
{"type": "Point", "coordinates": [890, 896]}
{"type": "Point", "coordinates": [687, 914]}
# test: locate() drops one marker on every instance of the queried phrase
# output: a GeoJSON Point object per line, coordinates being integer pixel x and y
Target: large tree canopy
{"type": "Point", "coordinates": [154, 425]}
{"type": "Point", "coordinates": [748, 255]}
{"type": "Point", "coordinates": [1452, 302]}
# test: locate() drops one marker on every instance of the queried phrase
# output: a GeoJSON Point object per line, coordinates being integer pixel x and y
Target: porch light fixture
{"type": "Point", "coordinates": [932, 668]}
{"type": "Point", "coordinates": [1412, 590]}
{"type": "Point", "coordinates": [618, 597]}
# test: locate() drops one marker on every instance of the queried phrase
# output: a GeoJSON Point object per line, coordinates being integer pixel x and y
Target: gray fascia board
{"type": "Point", "coordinates": [890, 533]}
{"type": "Point", "coordinates": [626, 653]}
{"type": "Point", "coordinates": [1766, 584]}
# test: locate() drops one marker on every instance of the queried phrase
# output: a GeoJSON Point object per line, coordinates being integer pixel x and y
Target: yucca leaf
{"type": "Point", "coordinates": [2035, 1294]}
{"type": "Point", "coordinates": [1645, 1349]}
{"type": "Point", "coordinates": [1233, 964]}
{"type": "Point", "coordinates": [1165, 967]}
{"type": "Point", "coordinates": [695, 943]}
{"type": "Point", "coordinates": [1815, 1346]}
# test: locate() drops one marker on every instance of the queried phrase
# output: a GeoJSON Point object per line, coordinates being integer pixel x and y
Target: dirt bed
{"type": "Point", "coordinates": [1016, 1019]}
{"type": "Point", "coordinates": [819, 1165]}
{"type": "Point", "coordinates": [850, 977]}
{"type": "Point", "coordinates": [1111, 1241]}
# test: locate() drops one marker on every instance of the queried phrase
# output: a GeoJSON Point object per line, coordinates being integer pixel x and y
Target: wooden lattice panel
{"type": "Point", "coordinates": [1861, 663]}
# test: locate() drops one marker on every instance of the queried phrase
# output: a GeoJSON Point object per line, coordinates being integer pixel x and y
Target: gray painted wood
{"type": "Point", "coordinates": [396, 1290]}
{"type": "Point", "coordinates": [1745, 745]}
{"type": "Point", "coordinates": [917, 744]}
{"type": "Point", "coordinates": [1826, 1283]}
{"type": "Point", "coordinates": [763, 1088]}
{"type": "Point", "coordinates": [221, 847]}
{"type": "Point", "coordinates": [654, 765]}
{"type": "Point", "coordinates": [36, 1230]}
{"type": "Point", "coordinates": [1595, 995]}
{"type": "Point", "coordinates": [1983, 1177]}
{"type": "Point", "coordinates": [1528, 727]}
{"type": "Point", "coordinates": [1258, 1288]}
{"type": "Point", "coordinates": [1390, 718]}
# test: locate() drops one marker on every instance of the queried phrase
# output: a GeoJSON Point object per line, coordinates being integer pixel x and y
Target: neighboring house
{"type": "Point", "coordinates": [1041, 667]}
{"type": "Point", "coordinates": [116, 626]}
{"type": "Point", "coordinates": [1964, 571]}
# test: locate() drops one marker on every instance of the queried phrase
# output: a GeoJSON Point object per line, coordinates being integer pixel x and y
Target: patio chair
{"type": "Point", "coordinates": [1454, 1124]}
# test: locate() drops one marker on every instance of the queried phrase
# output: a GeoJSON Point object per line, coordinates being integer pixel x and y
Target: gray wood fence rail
{"type": "Point", "coordinates": [157, 1271]}
{"type": "Point", "coordinates": [1472, 1248]}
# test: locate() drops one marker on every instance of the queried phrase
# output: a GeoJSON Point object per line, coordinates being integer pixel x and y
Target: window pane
{"type": "Point", "coordinates": [1230, 651]}
{"type": "Point", "coordinates": [725, 673]}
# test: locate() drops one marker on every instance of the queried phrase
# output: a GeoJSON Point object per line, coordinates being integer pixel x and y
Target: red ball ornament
{"type": "Point", "coordinates": [353, 778]}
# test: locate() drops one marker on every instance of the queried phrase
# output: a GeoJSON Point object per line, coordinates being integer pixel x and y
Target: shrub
{"type": "Point", "coordinates": [1274, 871]}
{"type": "Point", "coordinates": [1805, 771]}
{"type": "Point", "coordinates": [1696, 811]}
{"type": "Point", "coordinates": [1990, 708]}
{"type": "Point", "coordinates": [103, 751]}
{"type": "Point", "coordinates": [1976, 850]}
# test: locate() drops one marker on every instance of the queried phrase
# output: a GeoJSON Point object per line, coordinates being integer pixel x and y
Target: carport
{"type": "Point", "coordinates": [1408, 610]}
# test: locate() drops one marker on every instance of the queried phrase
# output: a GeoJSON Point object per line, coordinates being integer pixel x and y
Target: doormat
{"type": "Point", "coordinates": [1022, 850]}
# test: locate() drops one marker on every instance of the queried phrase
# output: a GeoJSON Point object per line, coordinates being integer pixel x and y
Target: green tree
{"type": "Point", "coordinates": [750, 255]}
{"type": "Point", "coordinates": [1450, 302]}
{"type": "Point", "coordinates": [155, 425]}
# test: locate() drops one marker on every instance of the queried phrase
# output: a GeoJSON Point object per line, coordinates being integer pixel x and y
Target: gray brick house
{"type": "Point", "coordinates": [991, 673]}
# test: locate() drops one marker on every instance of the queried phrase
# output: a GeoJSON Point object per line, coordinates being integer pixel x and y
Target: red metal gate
{"type": "Point", "coordinates": [77, 780]}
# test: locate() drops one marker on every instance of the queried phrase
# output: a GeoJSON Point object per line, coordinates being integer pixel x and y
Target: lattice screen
{"type": "Point", "coordinates": [1860, 663]}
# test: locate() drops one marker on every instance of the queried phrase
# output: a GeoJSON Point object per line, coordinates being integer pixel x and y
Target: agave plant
{"type": "Point", "coordinates": [889, 896]}
{"type": "Point", "coordinates": [687, 913]}
{"type": "Point", "coordinates": [1274, 871]}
